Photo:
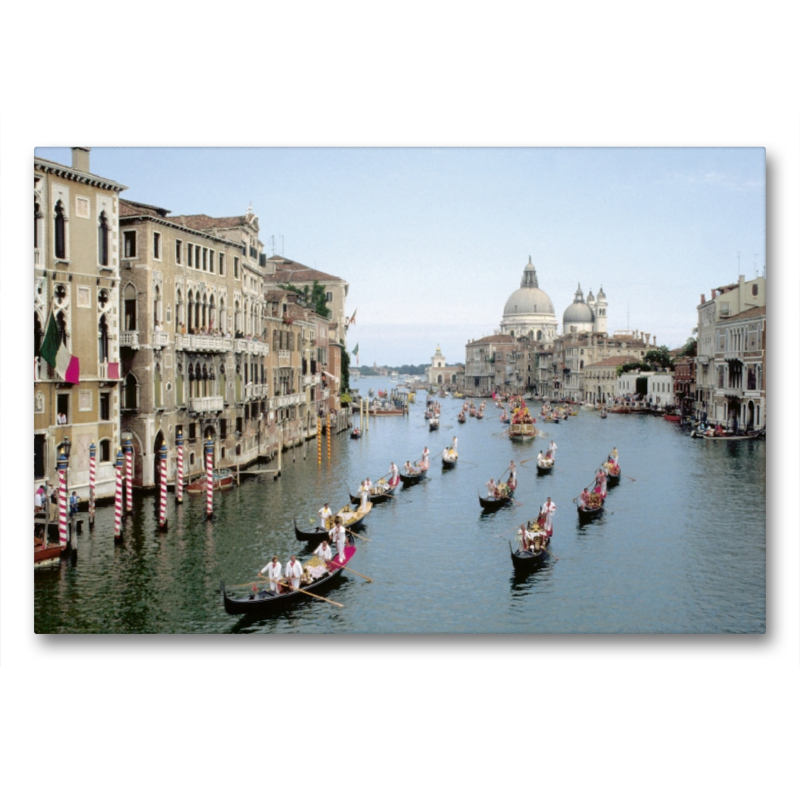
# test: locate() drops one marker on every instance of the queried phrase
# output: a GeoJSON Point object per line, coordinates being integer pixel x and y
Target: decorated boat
{"type": "Point", "coordinates": [349, 517]}
{"type": "Point", "coordinates": [222, 480]}
{"type": "Point", "coordinates": [504, 497]}
{"type": "Point", "coordinates": [379, 493]}
{"type": "Point", "coordinates": [592, 510]}
{"type": "Point", "coordinates": [449, 458]}
{"type": "Point", "coordinates": [413, 478]}
{"type": "Point", "coordinates": [546, 467]}
{"type": "Point", "coordinates": [613, 471]}
{"type": "Point", "coordinates": [266, 601]}
{"type": "Point", "coordinates": [522, 431]}
{"type": "Point", "coordinates": [433, 423]}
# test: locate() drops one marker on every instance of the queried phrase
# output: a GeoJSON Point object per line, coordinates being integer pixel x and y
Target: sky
{"type": "Point", "coordinates": [432, 241]}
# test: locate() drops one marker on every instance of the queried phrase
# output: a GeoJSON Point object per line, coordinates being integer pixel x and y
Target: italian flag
{"type": "Point", "coordinates": [55, 353]}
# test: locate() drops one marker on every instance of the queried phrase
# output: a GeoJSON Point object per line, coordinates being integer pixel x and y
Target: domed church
{"type": "Point", "coordinates": [529, 311]}
{"type": "Point", "coordinates": [586, 316]}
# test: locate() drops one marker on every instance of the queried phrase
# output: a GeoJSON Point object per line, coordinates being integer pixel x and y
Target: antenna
{"type": "Point", "coordinates": [272, 244]}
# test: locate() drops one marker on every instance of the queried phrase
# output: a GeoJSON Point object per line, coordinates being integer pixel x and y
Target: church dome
{"type": "Point", "coordinates": [578, 312]}
{"type": "Point", "coordinates": [529, 298]}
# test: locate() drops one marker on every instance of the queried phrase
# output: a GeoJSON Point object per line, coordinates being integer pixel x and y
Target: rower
{"type": "Point", "coordinates": [339, 538]}
{"type": "Point", "coordinates": [324, 514]}
{"type": "Point", "coordinates": [273, 572]}
{"type": "Point", "coordinates": [294, 571]}
{"type": "Point", "coordinates": [324, 551]}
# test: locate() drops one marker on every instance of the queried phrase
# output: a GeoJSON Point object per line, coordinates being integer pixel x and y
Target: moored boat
{"type": "Point", "coordinates": [265, 601]}
{"type": "Point", "coordinates": [222, 481]}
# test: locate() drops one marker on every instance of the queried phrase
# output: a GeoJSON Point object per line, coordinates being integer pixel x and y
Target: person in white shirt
{"type": "Point", "coordinates": [339, 537]}
{"type": "Point", "coordinates": [549, 510]}
{"type": "Point", "coordinates": [368, 484]}
{"type": "Point", "coordinates": [294, 571]}
{"type": "Point", "coordinates": [395, 473]}
{"type": "Point", "coordinates": [540, 459]}
{"type": "Point", "coordinates": [364, 492]}
{"type": "Point", "coordinates": [323, 515]}
{"type": "Point", "coordinates": [553, 448]}
{"type": "Point", "coordinates": [454, 446]}
{"type": "Point", "coordinates": [324, 551]}
{"type": "Point", "coordinates": [492, 487]}
{"type": "Point", "coordinates": [273, 572]}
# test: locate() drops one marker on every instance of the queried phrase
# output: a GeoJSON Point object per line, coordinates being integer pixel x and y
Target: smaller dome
{"type": "Point", "coordinates": [590, 297]}
{"type": "Point", "coordinates": [601, 295]}
{"type": "Point", "coordinates": [578, 312]}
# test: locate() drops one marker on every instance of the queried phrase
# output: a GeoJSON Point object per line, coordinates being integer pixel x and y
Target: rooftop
{"type": "Point", "coordinates": [288, 271]}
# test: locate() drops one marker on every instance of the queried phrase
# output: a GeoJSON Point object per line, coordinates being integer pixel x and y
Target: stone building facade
{"type": "Point", "coordinates": [76, 278]}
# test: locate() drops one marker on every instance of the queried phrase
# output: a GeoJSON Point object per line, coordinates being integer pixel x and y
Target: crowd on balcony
{"type": "Point", "coordinates": [219, 333]}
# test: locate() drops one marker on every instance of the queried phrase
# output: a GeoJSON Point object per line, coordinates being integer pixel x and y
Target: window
{"type": "Point", "coordinates": [235, 267]}
{"type": "Point", "coordinates": [205, 259]}
{"type": "Point", "coordinates": [105, 450]}
{"type": "Point", "coordinates": [60, 231]}
{"type": "Point", "coordinates": [102, 240]}
{"type": "Point", "coordinates": [131, 392]}
{"type": "Point", "coordinates": [130, 308]}
{"type": "Point", "coordinates": [157, 245]}
{"type": "Point", "coordinates": [222, 263]}
{"type": "Point", "coordinates": [102, 340]}
{"type": "Point", "coordinates": [755, 289]}
{"type": "Point", "coordinates": [192, 431]}
{"type": "Point", "coordinates": [328, 297]}
{"type": "Point", "coordinates": [62, 409]}
{"type": "Point", "coordinates": [189, 251]}
{"type": "Point", "coordinates": [39, 450]}
{"type": "Point", "coordinates": [129, 244]}
{"type": "Point", "coordinates": [178, 251]}
{"type": "Point", "coordinates": [223, 428]}
{"type": "Point", "coordinates": [105, 405]}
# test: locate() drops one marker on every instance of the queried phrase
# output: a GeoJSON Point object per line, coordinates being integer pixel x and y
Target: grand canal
{"type": "Point", "coordinates": [681, 547]}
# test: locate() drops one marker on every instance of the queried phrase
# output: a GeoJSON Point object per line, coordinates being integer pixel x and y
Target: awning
{"type": "Point", "coordinates": [332, 377]}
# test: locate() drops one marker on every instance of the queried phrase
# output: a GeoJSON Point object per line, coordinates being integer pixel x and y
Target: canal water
{"type": "Point", "coordinates": [681, 547]}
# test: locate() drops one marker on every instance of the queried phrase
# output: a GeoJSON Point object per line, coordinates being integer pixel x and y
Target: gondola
{"type": "Point", "coordinates": [614, 473]}
{"type": "Point", "coordinates": [316, 536]}
{"type": "Point", "coordinates": [265, 601]}
{"type": "Point", "coordinates": [375, 497]}
{"type": "Point", "coordinates": [545, 469]}
{"type": "Point", "coordinates": [351, 517]}
{"type": "Point", "coordinates": [462, 419]}
{"type": "Point", "coordinates": [526, 560]}
{"type": "Point", "coordinates": [433, 424]}
{"type": "Point", "coordinates": [449, 459]}
{"type": "Point", "coordinates": [589, 514]}
{"type": "Point", "coordinates": [603, 413]}
{"type": "Point", "coordinates": [494, 503]}
{"type": "Point", "coordinates": [412, 480]}
{"type": "Point", "coordinates": [355, 433]}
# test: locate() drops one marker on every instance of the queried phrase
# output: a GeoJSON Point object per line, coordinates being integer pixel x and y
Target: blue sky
{"type": "Point", "coordinates": [433, 240]}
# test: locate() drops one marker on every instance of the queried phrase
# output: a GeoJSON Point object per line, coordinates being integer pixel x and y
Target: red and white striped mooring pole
{"type": "Point", "coordinates": [62, 498]}
{"type": "Point", "coordinates": [128, 446]}
{"type": "Point", "coordinates": [179, 476]}
{"type": "Point", "coordinates": [118, 495]}
{"type": "Point", "coordinates": [92, 481]}
{"type": "Point", "coordinates": [162, 512]}
{"type": "Point", "coordinates": [209, 477]}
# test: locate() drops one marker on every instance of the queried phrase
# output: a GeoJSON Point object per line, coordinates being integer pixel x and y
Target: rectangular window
{"type": "Point", "coordinates": [105, 450]}
{"type": "Point", "coordinates": [223, 428]}
{"type": "Point", "coordinates": [105, 405]}
{"type": "Point", "coordinates": [39, 470]}
{"type": "Point", "coordinates": [235, 267]}
{"type": "Point", "coordinates": [192, 431]}
{"type": "Point", "coordinates": [189, 251]}
{"type": "Point", "coordinates": [211, 254]}
{"type": "Point", "coordinates": [62, 409]}
{"type": "Point", "coordinates": [157, 245]}
{"type": "Point", "coordinates": [328, 296]}
{"type": "Point", "coordinates": [222, 263]}
{"type": "Point", "coordinates": [129, 244]}
{"type": "Point", "coordinates": [178, 251]}
{"type": "Point", "coordinates": [205, 259]}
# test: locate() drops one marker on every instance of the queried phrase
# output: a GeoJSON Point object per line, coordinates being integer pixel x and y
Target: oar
{"type": "Point", "coordinates": [629, 478]}
{"type": "Point", "coordinates": [357, 534]}
{"type": "Point", "coordinates": [350, 569]}
{"type": "Point", "coordinates": [303, 591]}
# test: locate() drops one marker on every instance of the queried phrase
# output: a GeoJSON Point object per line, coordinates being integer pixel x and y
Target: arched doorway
{"type": "Point", "coordinates": [751, 414]}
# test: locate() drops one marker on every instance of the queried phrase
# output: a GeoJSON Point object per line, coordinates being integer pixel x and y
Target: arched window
{"type": "Point", "coordinates": [189, 318]}
{"type": "Point", "coordinates": [157, 313]}
{"type": "Point", "coordinates": [157, 399]}
{"type": "Point", "coordinates": [538, 336]}
{"type": "Point", "coordinates": [61, 322]}
{"type": "Point", "coordinates": [102, 340]}
{"type": "Point", "coordinates": [204, 319]}
{"type": "Point", "coordinates": [191, 381]}
{"type": "Point", "coordinates": [223, 321]}
{"type": "Point", "coordinates": [37, 216]}
{"type": "Point", "coordinates": [131, 392]}
{"type": "Point", "coordinates": [197, 314]}
{"type": "Point", "coordinates": [130, 307]}
{"type": "Point", "coordinates": [38, 334]}
{"type": "Point", "coordinates": [102, 240]}
{"type": "Point", "coordinates": [105, 450]}
{"type": "Point", "coordinates": [60, 231]}
{"type": "Point", "coordinates": [212, 313]}
{"type": "Point", "coordinates": [178, 310]}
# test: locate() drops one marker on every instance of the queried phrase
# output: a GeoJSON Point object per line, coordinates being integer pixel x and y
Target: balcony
{"type": "Point", "coordinates": [256, 391]}
{"type": "Point", "coordinates": [160, 339]}
{"type": "Point", "coordinates": [206, 404]}
{"type": "Point", "coordinates": [108, 370]}
{"type": "Point", "coordinates": [284, 356]}
{"type": "Point", "coordinates": [286, 400]}
{"type": "Point", "coordinates": [129, 339]}
{"type": "Point", "coordinates": [202, 343]}
{"type": "Point", "coordinates": [311, 380]}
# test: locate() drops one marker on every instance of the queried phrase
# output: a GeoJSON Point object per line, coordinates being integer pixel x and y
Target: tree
{"type": "Point", "coordinates": [345, 387]}
{"type": "Point", "coordinates": [316, 299]}
{"type": "Point", "coordinates": [690, 348]}
{"type": "Point", "coordinates": [659, 357]}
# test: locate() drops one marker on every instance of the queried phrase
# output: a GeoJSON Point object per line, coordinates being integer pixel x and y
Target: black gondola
{"type": "Point", "coordinates": [448, 461]}
{"type": "Point", "coordinates": [613, 480]}
{"type": "Point", "coordinates": [545, 470]}
{"type": "Point", "coordinates": [412, 480]}
{"type": "Point", "coordinates": [312, 537]}
{"type": "Point", "coordinates": [588, 514]}
{"type": "Point", "coordinates": [355, 434]}
{"type": "Point", "coordinates": [493, 503]}
{"type": "Point", "coordinates": [378, 497]}
{"type": "Point", "coordinates": [265, 601]}
{"type": "Point", "coordinates": [433, 424]}
{"type": "Point", "coordinates": [525, 560]}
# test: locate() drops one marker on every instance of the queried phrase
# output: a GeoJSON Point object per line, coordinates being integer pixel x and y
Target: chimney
{"type": "Point", "coordinates": [647, 339]}
{"type": "Point", "coordinates": [713, 293]}
{"type": "Point", "coordinates": [702, 299]}
{"type": "Point", "coordinates": [654, 340]}
{"type": "Point", "coordinates": [80, 158]}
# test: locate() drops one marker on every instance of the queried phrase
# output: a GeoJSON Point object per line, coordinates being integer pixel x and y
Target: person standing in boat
{"type": "Point", "coordinates": [512, 476]}
{"type": "Point", "coordinates": [585, 497]}
{"type": "Point", "coordinates": [364, 491]}
{"type": "Point", "coordinates": [553, 448]}
{"type": "Point", "coordinates": [273, 572]}
{"type": "Point", "coordinates": [614, 456]}
{"type": "Point", "coordinates": [395, 475]}
{"type": "Point", "coordinates": [549, 511]}
{"type": "Point", "coordinates": [339, 537]}
{"type": "Point", "coordinates": [492, 487]}
{"type": "Point", "coordinates": [540, 459]}
{"type": "Point", "coordinates": [324, 514]}
{"type": "Point", "coordinates": [409, 468]}
{"type": "Point", "coordinates": [423, 464]}
{"type": "Point", "coordinates": [454, 445]}
{"type": "Point", "coordinates": [294, 571]}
